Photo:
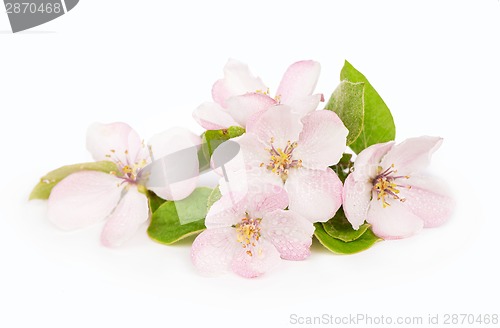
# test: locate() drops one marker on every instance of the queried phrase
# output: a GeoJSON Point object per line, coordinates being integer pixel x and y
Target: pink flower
{"type": "Point", "coordinates": [239, 95]}
{"type": "Point", "coordinates": [284, 149]}
{"type": "Point", "coordinates": [250, 236]}
{"type": "Point", "coordinates": [387, 190]}
{"type": "Point", "coordinates": [88, 197]}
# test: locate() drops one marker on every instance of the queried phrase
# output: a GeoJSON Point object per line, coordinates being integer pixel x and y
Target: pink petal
{"type": "Point", "coordinates": [238, 80]}
{"type": "Point", "coordinates": [314, 194]}
{"type": "Point", "coordinates": [213, 250]}
{"type": "Point", "coordinates": [227, 211]}
{"type": "Point", "coordinates": [412, 155]}
{"type": "Point", "coordinates": [253, 150]}
{"type": "Point", "coordinates": [83, 198]}
{"type": "Point", "coordinates": [429, 199]}
{"type": "Point", "coordinates": [268, 199]}
{"type": "Point", "coordinates": [177, 151]}
{"type": "Point", "coordinates": [289, 232]}
{"type": "Point", "coordinates": [117, 142]}
{"type": "Point", "coordinates": [128, 216]}
{"type": "Point", "coordinates": [368, 161]}
{"type": "Point", "coordinates": [277, 123]}
{"type": "Point", "coordinates": [305, 105]}
{"type": "Point", "coordinates": [242, 107]}
{"type": "Point", "coordinates": [394, 221]}
{"type": "Point", "coordinates": [357, 197]}
{"type": "Point", "coordinates": [212, 116]}
{"type": "Point", "coordinates": [322, 140]}
{"type": "Point", "coordinates": [264, 258]}
{"type": "Point", "coordinates": [258, 180]}
{"type": "Point", "coordinates": [299, 81]}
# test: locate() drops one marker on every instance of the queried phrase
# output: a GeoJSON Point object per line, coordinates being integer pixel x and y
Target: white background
{"type": "Point", "coordinates": [150, 63]}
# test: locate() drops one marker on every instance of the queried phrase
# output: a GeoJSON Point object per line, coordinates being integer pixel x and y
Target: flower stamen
{"type": "Point", "coordinates": [248, 233]}
{"type": "Point", "coordinates": [281, 160]}
{"type": "Point", "coordinates": [385, 187]}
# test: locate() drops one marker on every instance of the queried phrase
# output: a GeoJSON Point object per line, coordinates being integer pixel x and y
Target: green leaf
{"type": "Point", "coordinates": [337, 246]}
{"type": "Point", "coordinates": [348, 102]}
{"type": "Point", "coordinates": [173, 221]}
{"type": "Point", "coordinates": [338, 227]}
{"type": "Point", "coordinates": [50, 180]}
{"type": "Point", "coordinates": [155, 201]}
{"type": "Point", "coordinates": [378, 124]}
{"type": "Point", "coordinates": [215, 195]}
{"type": "Point", "coordinates": [213, 138]}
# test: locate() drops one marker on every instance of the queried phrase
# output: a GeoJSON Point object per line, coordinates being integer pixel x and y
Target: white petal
{"type": "Point", "coordinates": [83, 198]}
{"type": "Point", "coordinates": [237, 80]}
{"type": "Point", "coordinates": [368, 161]}
{"type": "Point", "coordinates": [212, 116]}
{"type": "Point", "coordinates": [357, 196]}
{"type": "Point", "coordinates": [322, 140]}
{"type": "Point", "coordinates": [128, 216]}
{"type": "Point", "coordinates": [227, 211]}
{"type": "Point", "coordinates": [174, 173]}
{"type": "Point", "coordinates": [305, 105]}
{"type": "Point", "coordinates": [314, 194]}
{"type": "Point", "coordinates": [394, 221]}
{"type": "Point", "coordinates": [269, 198]}
{"type": "Point", "coordinates": [117, 142]}
{"type": "Point", "coordinates": [279, 124]}
{"type": "Point", "coordinates": [213, 250]}
{"type": "Point", "coordinates": [264, 258]}
{"type": "Point", "coordinates": [429, 199]}
{"type": "Point", "coordinates": [289, 232]}
{"type": "Point", "coordinates": [244, 106]}
{"type": "Point", "coordinates": [412, 155]}
{"type": "Point", "coordinates": [299, 81]}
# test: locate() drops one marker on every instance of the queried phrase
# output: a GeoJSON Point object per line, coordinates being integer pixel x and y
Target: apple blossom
{"type": "Point", "coordinates": [388, 190]}
{"type": "Point", "coordinates": [239, 95]}
{"type": "Point", "coordinates": [88, 197]}
{"type": "Point", "coordinates": [249, 236]}
{"type": "Point", "coordinates": [284, 149]}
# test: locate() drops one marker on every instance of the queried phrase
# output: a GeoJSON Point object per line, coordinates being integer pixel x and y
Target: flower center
{"type": "Point", "coordinates": [248, 233]}
{"type": "Point", "coordinates": [281, 160]}
{"type": "Point", "coordinates": [385, 185]}
{"type": "Point", "coordinates": [129, 171]}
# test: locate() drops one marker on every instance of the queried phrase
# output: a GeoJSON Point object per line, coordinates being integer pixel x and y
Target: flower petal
{"type": "Point", "coordinates": [394, 221]}
{"type": "Point", "coordinates": [429, 199]}
{"type": "Point", "coordinates": [368, 161]}
{"type": "Point", "coordinates": [83, 198]}
{"type": "Point", "coordinates": [277, 123]}
{"type": "Point", "coordinates": [237, 80]}
{"type": "Point", "coordinates": [244, 106]}
{"type": "Point", "coordinates": [116, 142]}
{"type": "Point", "coordinates": [213, 250]}
{"type": "Point", "coordinates": [253, 181]}
{"type": "Point", "coordinates": [211, 116]}
{"type": "Point", "coordinates": [289, 232]}
{"type": "Point", "coordinates": [412, 155]}
{"type": "Point", "coordinates": [268, 199]}
{"type": "Point", "coordinates": [264, 257]}
{"type": "Point", "coordinates": [174, 173]}
{"type": "Point", "coordinates": [305, 105]}
{"type": "Point", "coordinates": [299, 80]}
{"type": "Point", "coordinates": [314, 194]}
{"type": "Point", "coordinates": [227, 211]}
{"type": "Point", "coordinates": [357, 196]}
{"type": "Point", "coordinates": [322, 140]}
{"type": "Point", "coordinates": [128, 216]}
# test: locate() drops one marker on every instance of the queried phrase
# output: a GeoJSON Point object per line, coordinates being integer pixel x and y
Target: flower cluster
{"type": "Point", "coordinates": [291, 178]}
